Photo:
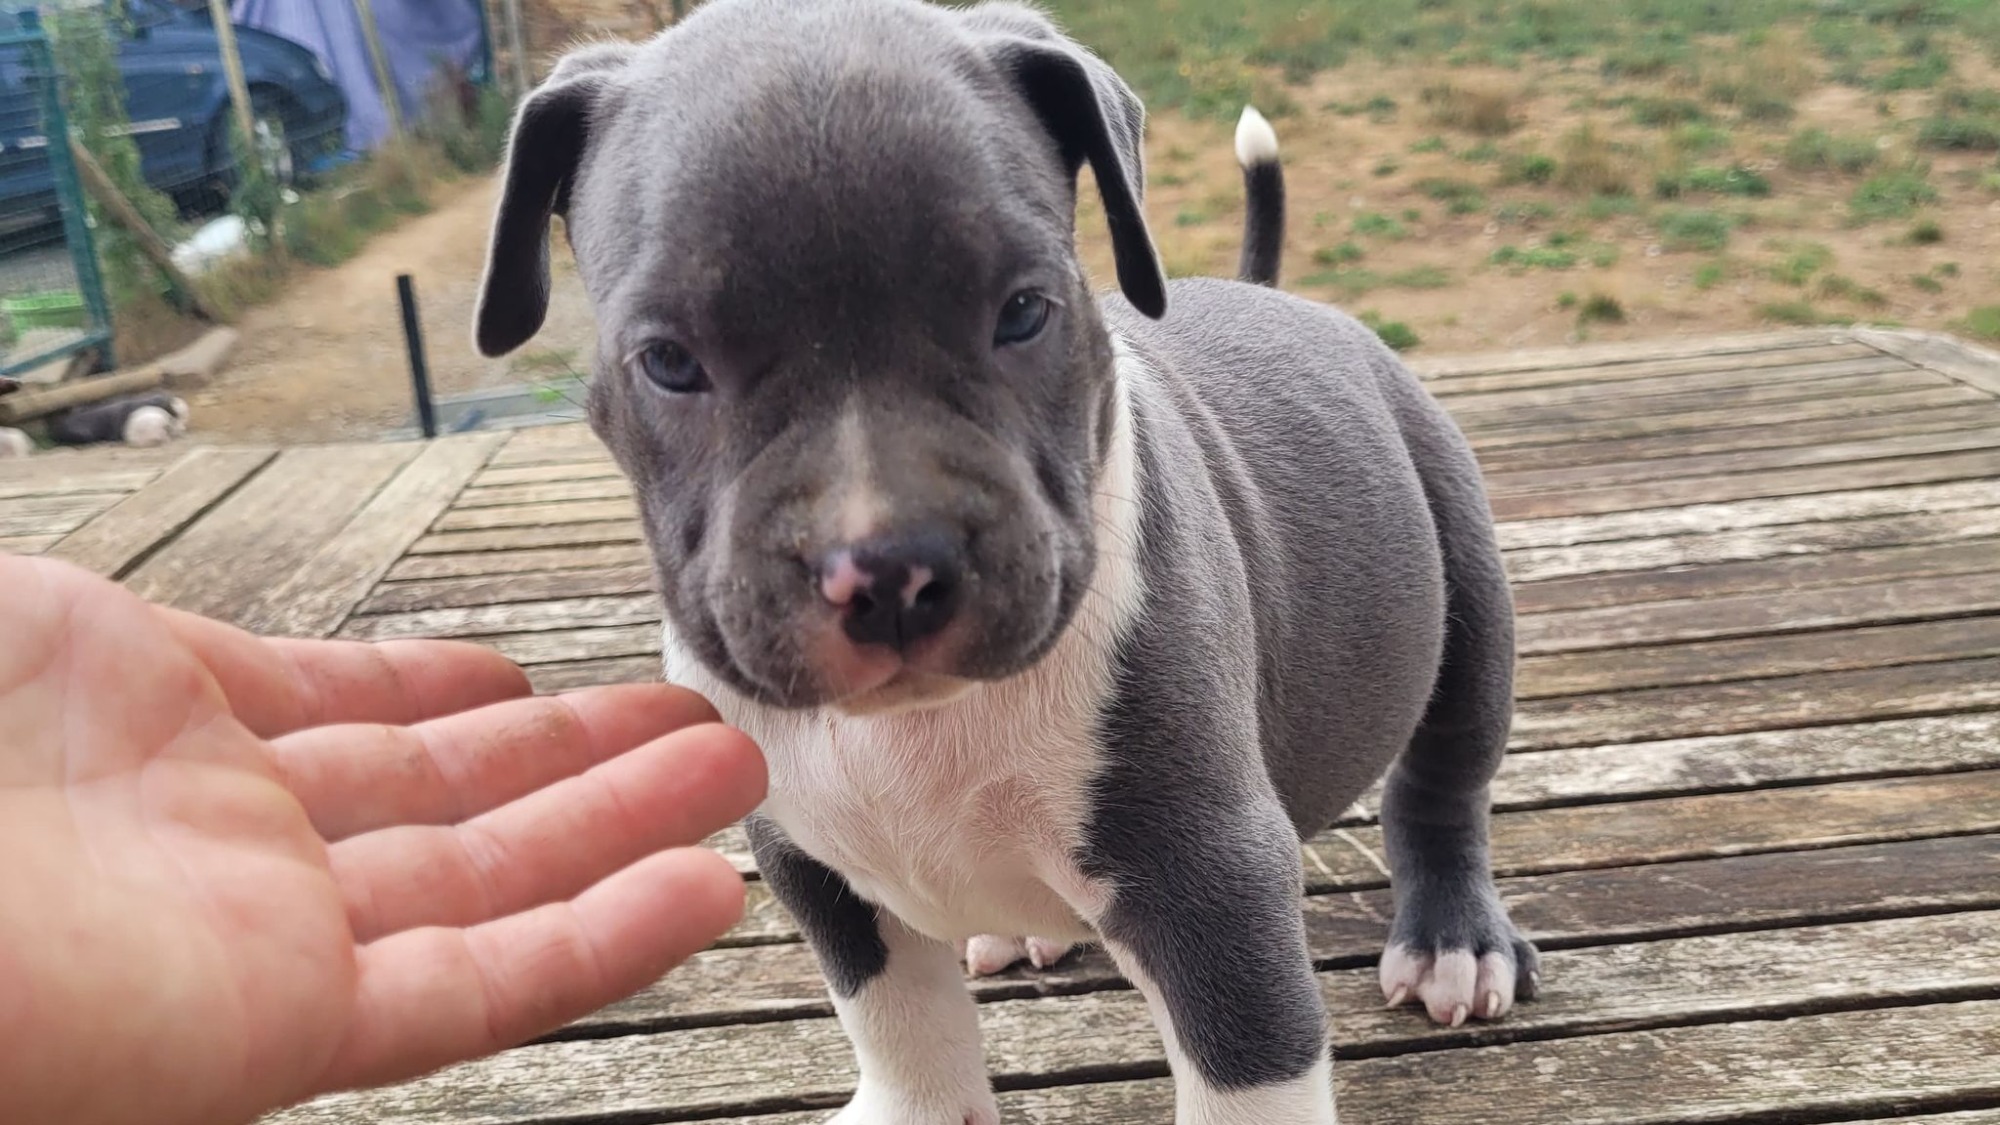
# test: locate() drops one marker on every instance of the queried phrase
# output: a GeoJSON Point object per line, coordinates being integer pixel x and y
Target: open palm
{"type": "Point", "coordinates": [240, 872]}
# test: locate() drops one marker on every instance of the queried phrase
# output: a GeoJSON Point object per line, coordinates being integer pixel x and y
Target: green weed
{"type": "Point", "coordinates": [1376, 225]}
{"type": "Point", "coordinates": [1394, 333]}
{"type": "Point", "coordinates": [1339, 255]}
{"type": "Point", "coordinates": [1892, 194]}
{"type": "Point", "coordinates": [1801, 261]}
{"type": "Point", "coordinates": [1695, 230]}
{"type": "Point", "coordinates": [1982, 323]}
{"type": "Point", "coordinates": [1816, 150]}
{"type": "Point", "coordinates": [1601, 308]}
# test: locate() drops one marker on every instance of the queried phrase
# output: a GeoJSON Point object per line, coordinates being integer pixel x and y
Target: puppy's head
{"type": "Point", "coordinates": [847, 353]}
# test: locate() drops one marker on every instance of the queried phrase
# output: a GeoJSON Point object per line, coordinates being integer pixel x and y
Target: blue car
{"type": "Point", "coordinates": [178, 100]}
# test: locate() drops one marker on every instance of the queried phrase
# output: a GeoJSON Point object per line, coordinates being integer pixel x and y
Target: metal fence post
{"type": "Point", "coordinates": [69, 189]}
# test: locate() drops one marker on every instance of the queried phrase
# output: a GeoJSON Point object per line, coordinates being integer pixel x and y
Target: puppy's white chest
{"type": "Point", "coordinates": [963, 820]}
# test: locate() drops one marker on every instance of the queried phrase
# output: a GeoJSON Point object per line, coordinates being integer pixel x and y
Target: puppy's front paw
{"type": "Point", "coordinates": [1461, 971]}
{"type": "Point", "coordinates": [873, 1105]}
{"type": "Point", "coordinates": [987, 954]}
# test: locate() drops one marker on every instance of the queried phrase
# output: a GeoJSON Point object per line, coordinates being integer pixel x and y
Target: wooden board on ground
{"type": "Point", "coordinates": [112, 543]}
{"type": "Point", "coordinates": [266, 530]}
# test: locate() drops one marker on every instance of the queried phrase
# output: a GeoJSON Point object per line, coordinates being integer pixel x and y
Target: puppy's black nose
{"type": "Point", "coordinates": [896, 589]}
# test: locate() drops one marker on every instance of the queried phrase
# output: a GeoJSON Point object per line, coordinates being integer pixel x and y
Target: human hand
{"type": "Point", "coordinates": [240, 872]}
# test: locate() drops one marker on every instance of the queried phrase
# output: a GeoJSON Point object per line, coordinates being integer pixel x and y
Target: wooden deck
{"type": "Point", "coordinates": [1752, 813]}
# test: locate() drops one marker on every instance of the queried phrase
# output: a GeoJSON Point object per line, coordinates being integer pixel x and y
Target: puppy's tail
{"type": "Point", "coordinates": [1264, 192]}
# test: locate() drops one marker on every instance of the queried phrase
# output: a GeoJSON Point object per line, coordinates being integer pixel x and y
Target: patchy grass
{"type": "Point", "coordinates": [1892, 194]}
{"type": "Point", "coordinates": [1927, 283]}
{"type": "Point", "coordinates": [1526, 213]}
{"type": "Point", "coordinates": [1521, 259]}
{"type": "Point", "coordinates": [1801, 313]}
{"type": "Point", "coordinates": [1482, 110]}
{"type": "Point", "coordinates": [1601, 308]}
{"type": "Point", "coordinates": [1801, 261]}
{"type": "Point", "coordinates": [1695, 229]}
{"type": "Point", "coordinates": [1460, 197]}
{"type": "Point", "coordinates": [1590, 163]}
{"type": "Point", "coordinates": [1736, 179]}
{"type": "Point", "coordinates": [1662, 113]}
{"type": "Point", "coordinates": [1421, 277]}
{"type": "Point", "coordinates": [1816, 150]}
{"type": "Point", "coordinates": [1339, 254]}
{"type": "Point", "coordinates": [1965, 120]}
{"type": "Point", "coordinates": [1929, 232]}
{"type": "Point", "coordinates": [1485, 152]}
{"type": "Point", "coordinates": [1708, 275]}
{"type": "Point", "coordinates": [1373, 224]}
{"type": "Point", "coordinates": [1527, 168]}
{"type": "Point", "coordinates": [1834, 287]}
{"type": "Point", "coordinates": [1982, 323]}
{"type": "Point", "coordinates": [1394, 333]}
{"type": "Point", "coordinates": [1429, 144]}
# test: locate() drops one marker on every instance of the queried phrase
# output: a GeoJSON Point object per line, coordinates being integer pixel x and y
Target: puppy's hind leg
{"type": "Point", "coordinates": [1452, 946]}
{"type": "Point", "coordinates": [899, 996]}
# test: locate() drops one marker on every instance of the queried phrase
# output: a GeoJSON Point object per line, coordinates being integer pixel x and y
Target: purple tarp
{"type": "Point", "coordinates": [417, 35]}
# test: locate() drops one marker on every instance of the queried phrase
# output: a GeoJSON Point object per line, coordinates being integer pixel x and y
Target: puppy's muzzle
{"type": "Point", "coordinates": [895, 590]}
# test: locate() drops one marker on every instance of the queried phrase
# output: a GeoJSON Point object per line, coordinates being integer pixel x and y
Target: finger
{"type": "Point", "coordinates": [355, 779]}
{"type": "Point", "coordinates": [545, 847]}
{"type": "Point", "coordinates": [428, 998]}
{"type": "Point", "coordinates": [277, 686]}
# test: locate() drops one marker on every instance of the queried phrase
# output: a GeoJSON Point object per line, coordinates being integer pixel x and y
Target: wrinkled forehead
{"type": "Point", "coordinates": [809, 181]}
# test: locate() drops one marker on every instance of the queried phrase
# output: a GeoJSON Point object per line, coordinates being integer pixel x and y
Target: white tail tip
{"type": "Point", "coordinates": [1256, 141]}
{"type": "Point", "coordinates": [14, 443]}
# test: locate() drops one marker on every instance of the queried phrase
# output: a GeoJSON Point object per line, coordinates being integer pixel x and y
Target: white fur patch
{"type": "Point", "coordinates": [862, 509]}
{"type": "Point", "coordinates": [964, 819]}
{"type": "Point", "coordinates": [1306, 1100]}
{"type": "Point", "coordinates": [1256, 141]}
{"type": "Point", "coordinates": [149, 426]}
{"type": "Point", "coordinates": [916, 1039]}
{"type": "Point", "coordinates": [15, 443]}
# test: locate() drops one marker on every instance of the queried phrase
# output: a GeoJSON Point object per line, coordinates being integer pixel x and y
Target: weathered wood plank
{"type": "Point", "coordinates": [1815, 1068]}
{"type": "Point", "coordinates": [1599, 906]}
{"type": "Point", "coordinates": [267, 528]}
{"type": "Point", "coordinates": [1756, 657]}
{"type": "Point", "coordinates": [544, 445]}
{"type": "Point", "coordinates": [1972, 365]}
{"type": "Point", "coordinates": [1982, 463]}
{"type": "Point", "coordinates": [27, 544]}
{"type": "Point", "coordinates": [486, 563]}
{"type": "Point", "coordinates": [67, 470]}
{"type": "Point", "coordinates": [112, 543]}
{"type": "Point", "coordinates": [1850, 504]}
{"type": "Point", "coordinates": [1607, 987]}
{"type": "Point", "coordinates": [548, 492]}
{"type": "Point", "coordinates": [563, 645]}
{"type": "Point", "coordinates": [1821, 697]}
{"type": "Point", "coordinates": [1663, 830]}
{"type": "Point", "coordinates": [314, 599]}
{"type": "Point", "coordinates": [1544, 409]}
{"type": "Point", "coordinates": [483, 590]}
{"type": "Point", "coordinates": [1736, 615]}
{"type": "Point", "coordinates": [1537, 564]}
{"type": "Point", "coordinates": [550, 679]}
{"type": "Point", "coordinates": [703, 1071]}
{"type": "Point", "coordinates": [53, 515]}
{"type": "Point", "coordinates": [596, 467]}
{"type": "Point", "coordinates": [1752, 347]}
{"type": "Point", "coordinates": [524, 617]}
{"type": "Point", "coordinates": [55, 482]}
{"type": "Point", "coordinates": [1724, 763]}
{"type": "Point", "coordinates": [1737, 438]}
{"type": "Point", "coordinates": [538, 515]}
{"type": "Point", "coordinates": [1806, 368]}
{"type": "Point", "coordinates": [527, 538]}
{"type": "Point", "coordinates": [1529, 481]}
{"type": "Point", "coordinates": [1486, 438]}
{"type": "Point", "coordinates": [1795, 572]}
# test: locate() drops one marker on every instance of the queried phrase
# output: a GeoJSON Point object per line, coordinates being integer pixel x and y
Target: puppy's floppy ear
{"type": "Point", "coordinates": [550, 132]}
{"type": "Point", "coordinates": [1093, 116]}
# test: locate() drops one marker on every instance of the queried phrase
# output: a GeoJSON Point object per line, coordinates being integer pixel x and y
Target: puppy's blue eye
{"type": "Point", "coordinates": [671, 368]}
{"type": "Point", "coordinates": [1021, 318]}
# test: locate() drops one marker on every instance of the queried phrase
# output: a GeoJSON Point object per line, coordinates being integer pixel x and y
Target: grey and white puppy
{"type": "Point", "coordinates": [1054, 616]}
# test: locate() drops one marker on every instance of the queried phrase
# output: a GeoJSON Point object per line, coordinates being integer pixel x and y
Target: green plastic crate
{"type": "Point", "coordinates": [45, 310]}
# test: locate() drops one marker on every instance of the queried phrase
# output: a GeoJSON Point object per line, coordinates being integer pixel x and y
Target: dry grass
{"type": "Point", "coordinates": [1589, 162]}
{"type": "Point", "coordinates": [1484, 109]}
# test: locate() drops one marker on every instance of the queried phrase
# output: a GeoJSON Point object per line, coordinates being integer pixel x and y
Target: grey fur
{"type": "Point", "coordinates": [827, 202]}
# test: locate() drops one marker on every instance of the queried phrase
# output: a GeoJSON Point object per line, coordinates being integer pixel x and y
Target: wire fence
{"type": "Point", "coordinates": [141, 86]}
{"type": "Point", "coordinates": [53, 304]}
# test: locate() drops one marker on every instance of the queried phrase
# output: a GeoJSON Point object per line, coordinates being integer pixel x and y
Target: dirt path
{"type": "Point", "coordinates": [326, 361]}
